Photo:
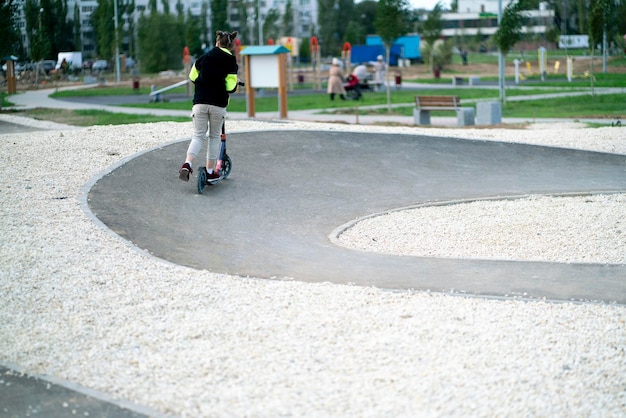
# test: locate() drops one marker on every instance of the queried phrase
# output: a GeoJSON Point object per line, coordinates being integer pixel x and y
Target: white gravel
{"type": "Point", "coordinates": [564, 229]}
{"type": "Point", "coordinates": [81, 304]}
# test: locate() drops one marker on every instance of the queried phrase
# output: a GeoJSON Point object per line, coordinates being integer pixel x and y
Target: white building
{"type": "Point", "coordinates": [480, 6]}
{"type": "Point", "coordinates": [304, 17]}
{"type": "Point", "coordinates": [481, 16]}
{"type": "Point", "coordinates": [304, 11]}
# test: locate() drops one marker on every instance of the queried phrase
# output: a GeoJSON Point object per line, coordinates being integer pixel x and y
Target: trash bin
{"type": "Point", "coordinates": [136, 78]}
{"type": "Point", "coordinates": [398, 79]}
{"type": "Point", "coordinates": [437, 72]}
{"type": "Point", "coordinates": [300, 78]}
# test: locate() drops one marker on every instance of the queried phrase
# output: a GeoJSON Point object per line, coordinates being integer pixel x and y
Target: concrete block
{"type": "Point", "coordinates": [90, 80]}
{"type": "Point", "coordinates": [474, 81]}
{"type": "Point", "coordinates": [457, 81]}
{"type": "Point", "coordinates": [488, 113]}
{"type": "Point", "coordinates": [465, 116]}
{"type": "Point", "coordinates": [421, 117]}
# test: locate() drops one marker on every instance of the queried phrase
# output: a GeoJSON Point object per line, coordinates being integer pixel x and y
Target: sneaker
{"type": "Point", "coordinates": [213, 176]}
{"type": "Point", "coordinates": [184, 172]}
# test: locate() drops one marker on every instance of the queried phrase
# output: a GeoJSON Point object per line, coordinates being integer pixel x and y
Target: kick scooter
{"type": "Point", "coordinates": [222, 166]}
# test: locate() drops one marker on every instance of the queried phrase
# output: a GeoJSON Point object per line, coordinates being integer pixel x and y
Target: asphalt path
{"type": "Point", "coordinates": [24, 395]}
{"type": "Point", "coordinates": [12, 128]}
{"type": "Point", "coordinates": [290, 190]}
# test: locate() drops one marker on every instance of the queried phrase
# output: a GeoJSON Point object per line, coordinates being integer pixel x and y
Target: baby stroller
{"type": "Point", "coordinates": [353, 87]}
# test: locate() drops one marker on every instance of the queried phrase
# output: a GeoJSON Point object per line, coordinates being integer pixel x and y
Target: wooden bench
{"type": "Point", "coordinates": [424, 104]}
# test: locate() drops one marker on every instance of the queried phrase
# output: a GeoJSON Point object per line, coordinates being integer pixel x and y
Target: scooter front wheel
{"type": "Point", "coordinates": [201, 179]}
{"type": "Point", "coordinates": [227, 165]}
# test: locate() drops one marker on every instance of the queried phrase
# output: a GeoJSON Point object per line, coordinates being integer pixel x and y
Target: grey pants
{"type": "Point", "coordinates": [206, 117]}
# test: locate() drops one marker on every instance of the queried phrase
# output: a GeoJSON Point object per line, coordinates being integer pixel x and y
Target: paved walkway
{"type": "Point", "coordinates": [276, 224]}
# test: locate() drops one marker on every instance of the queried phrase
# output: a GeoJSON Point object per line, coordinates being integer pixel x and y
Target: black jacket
{"type": "Point", "coordinates": [215, 76]}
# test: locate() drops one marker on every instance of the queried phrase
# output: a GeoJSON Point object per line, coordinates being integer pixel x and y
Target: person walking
{"type": "Point", "coordinates": [214, 75]}
{"type": "Point", "coordinates": [335, 81]}
{"type": "Point", "coordinates": [381, 70]}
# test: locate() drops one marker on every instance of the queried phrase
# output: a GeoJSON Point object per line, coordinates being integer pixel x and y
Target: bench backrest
{"type": "Point", "coordinates": [437, 101]}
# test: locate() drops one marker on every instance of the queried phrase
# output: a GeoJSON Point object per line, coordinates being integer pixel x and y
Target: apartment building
{"type": "Point", "coordinates": [481, 16]}
{"type": "Point", "coordinates": [304, 14]}
{"type": "Point", "coordinates": [304, 17]}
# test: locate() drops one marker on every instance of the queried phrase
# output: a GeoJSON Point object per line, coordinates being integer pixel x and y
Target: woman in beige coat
{"type": "Point", "coordinates": [335, 81]}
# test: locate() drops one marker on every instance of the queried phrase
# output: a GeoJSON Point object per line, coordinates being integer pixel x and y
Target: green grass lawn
{"type": "Point", "coordinates": [111, 91]}
{"type": "Point", "coordinates": [609, 105]}
{"type": "Point", "coordinates": [570, 107]}
{"type": "Point", "coordinates": [587, 106]}
{"type": "Point", "coordinates": [3, 98]}
{"type": "Point", "coordinates": [321, 100]}
{"type": "Point", "coordinates": [94, 117]}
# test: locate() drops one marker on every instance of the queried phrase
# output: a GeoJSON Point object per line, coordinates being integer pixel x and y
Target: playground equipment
{"type": "Point", "coordinates": [315, 60]}
{"type": "Point", "coordinates": [156, 94]}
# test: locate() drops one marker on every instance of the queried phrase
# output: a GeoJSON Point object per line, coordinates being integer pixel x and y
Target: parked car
{"type": "Point", "coordinates": [100, 65]}
{"type": "Point", "coordinates": [48, 65]}
{"type": "Point", "coordinates": [29, 66]}
{"type": "Point", "coordinates": [18, 67]}
{"type": "Point", "coordinates": [130, 63]}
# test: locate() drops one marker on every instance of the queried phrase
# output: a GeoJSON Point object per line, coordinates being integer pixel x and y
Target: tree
{"type": "Point", "coordinates": [332, 24]}
{"type": "Point", "coordinates": [192, 34]}
{"type": "Point", "coordinates": [180, 10]}
{"type": "Point", "coordinates": [78, 42]}
{"type": "Point", "coordinates": [9, 32]}
{"type": "Point", "coordinates": [431, 32]}
{"type": "Point", "coordinates": [63, 29]}
{"type": "Point", "coordinates": [510, 29]}
{"type": "Point", "coordinates": [219, 15]}
{"type": "Point", "coordinates": [287, 25]}
{"type": "Point", "coordinates": [270, 26]}
{"type": "Point", "coordinates": [365, 17]}
{"type": "Point", "coordinates": [36, 30]}
{"type": "Point", "coordinates": [166, 6]}
{"type": "Point", "coordinates": [581, 14]}
{"type": "Point", "coordinates": [128, 9]}
{"type": "Point", "coordinates": [621, 23]}
{"type": "Point", "coordinates": [508, 34]}
{"type": "Point", "coordinates": [245, 35]}
{"type": "Point", "coordinates": [204, 28]}
{"type": "Point", "coordinates": [305, 50]}
{"type": "Point", "coordinates": [601, 26]}
{"type": "Point", "coordinates": [104, 29]}
{"type": "Point", "coordinates": [161, 40]}
{"type": "Point", "coordinates": [354, 33]}
{"type": "Point", "coordinates": [391, 23]}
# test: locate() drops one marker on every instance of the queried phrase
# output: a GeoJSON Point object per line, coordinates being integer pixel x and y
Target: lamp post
{"type": "Point", "coordinates": [257, 9]}
{"type": "Point", "coordinates": [500, 58]}
{"type": "Point", "coordinates": [39, 49]}
{"type": "Point", "coordinates": [117, 46]}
